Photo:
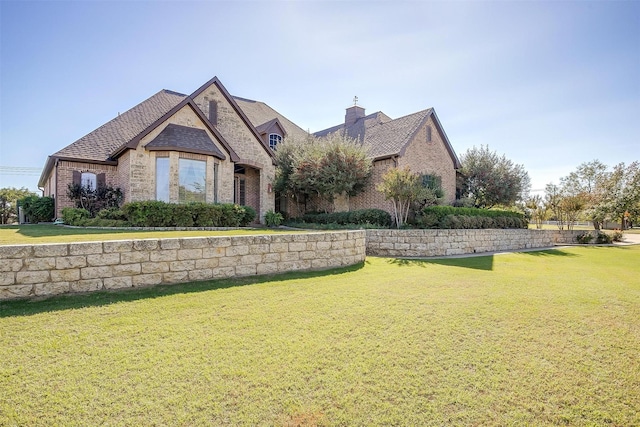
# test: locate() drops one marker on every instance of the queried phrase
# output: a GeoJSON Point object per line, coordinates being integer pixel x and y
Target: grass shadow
{"type": "Point", "coordinates": [475, 262]}
{"type": "Point", "coordinates": [549, 252]}
{"type": "Point", "coordinates": [27, 307]}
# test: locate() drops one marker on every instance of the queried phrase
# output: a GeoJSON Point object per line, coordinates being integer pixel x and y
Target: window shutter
{"type": "Point", "coordinates": [101, 180]}
{"type": "Point", "coordinates": [213, 113]}
{"type": "Point", "coordinates": [76, 178]}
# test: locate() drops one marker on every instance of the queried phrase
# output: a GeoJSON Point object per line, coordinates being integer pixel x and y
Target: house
{"type": "Point", "coordinates": [213, 147]}
{"type": "Point", "coordinates": [176, 148]}
{"type": "Point", "coordinates": [417, 141]}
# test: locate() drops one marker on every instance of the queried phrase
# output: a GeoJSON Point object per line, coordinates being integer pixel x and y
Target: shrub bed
{"type": "Point", "coordinates": [449, 217]}
{"type": "Point", "coordinates": [375, 217]}
{"type": "Point", "coordinates": [160, 214]}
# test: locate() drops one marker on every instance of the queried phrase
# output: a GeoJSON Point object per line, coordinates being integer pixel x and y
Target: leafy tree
{"type": "Point", "coordinates": [588, 183]}
{"type": "Point", "coordinates": [404, 188]}
{"type": "Point", "coordinates": [553, 200]}
{"type": "Point", "coordinates": [537, 210]}
{"type": "Point", "coordinates": [37, 209]}
{"type": "Point", "coordinates": [9, 201]}
{"type": "Point", "coordinates": [491, 179]}
{"type": "Point", "coordinates": [621, 194]}
{"type": "Point", "coordinates": [603, 194]}
{"type": "Point", "coordinates": [321, 167]}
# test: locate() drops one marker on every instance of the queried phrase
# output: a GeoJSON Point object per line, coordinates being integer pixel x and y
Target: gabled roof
{"type": "Point", "coordinates": [237, 109]}
{"type": "Point", "coordinates": [266, 127]}
{"type": "Point", "coordinates": [187, 139]}
{"type": "Point", "coordinates": [99, 144]}
{"type": "Point", "coordinates": [260, 113]}
{"type": "Point", "coordinates": [385, 137]}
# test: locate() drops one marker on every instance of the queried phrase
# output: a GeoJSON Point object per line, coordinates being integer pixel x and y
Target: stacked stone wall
{"type": "Point", "coordinates": [426, 243]}
{"type": "Point", "coordinates": [50, 269]}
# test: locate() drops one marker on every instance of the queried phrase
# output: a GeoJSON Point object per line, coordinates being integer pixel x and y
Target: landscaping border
{"type": "Point", "coordinates": [429, 243]}
{"type": "Point", "coordinates": [51, 269]}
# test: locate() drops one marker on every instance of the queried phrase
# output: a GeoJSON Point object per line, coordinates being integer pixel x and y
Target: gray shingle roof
{"type": "Point", "coordinates": [381, 135]}
{"type": "Point", "coordinates": [260, 113]}
{"type": "Point", "coordinates": [187, 139]}
{"type": "Point", "coordinates": [99, 144]}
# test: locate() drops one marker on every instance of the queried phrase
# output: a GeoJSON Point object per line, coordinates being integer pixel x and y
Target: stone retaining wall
{"type": "Point", "coordinates": [50, 269]}
{"type": "Point", "coordinates": [425, 243]}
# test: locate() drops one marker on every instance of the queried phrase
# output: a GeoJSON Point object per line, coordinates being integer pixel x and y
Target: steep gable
{"type": "Point", "coordinates": [232, 123]}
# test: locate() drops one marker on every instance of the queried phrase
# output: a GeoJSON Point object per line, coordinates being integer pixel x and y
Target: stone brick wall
{"type": "Point", "coordinates": [50, 269]}
{"type": "Point", "coordinates": [431, 157]}
{"type": "Point", "coordinates": [425, 243]}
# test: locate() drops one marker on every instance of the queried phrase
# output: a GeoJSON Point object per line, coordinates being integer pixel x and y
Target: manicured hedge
{"type": "Point", "coordinates": [454, 217]}
{"type": "Point", "coordinates": [160, 214]}
{"type": "Point", "coordinates": [360, 217]}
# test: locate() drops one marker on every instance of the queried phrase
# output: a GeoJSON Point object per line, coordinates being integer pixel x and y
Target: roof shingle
{"type": "Point", "coordinates": [381, 135]}
{"type": "Point", "coordinates": [260, 113]}
{"type": "Point", "coordinates": [99, 144]}
{"type": "Point", "coordinates": [184, 138]}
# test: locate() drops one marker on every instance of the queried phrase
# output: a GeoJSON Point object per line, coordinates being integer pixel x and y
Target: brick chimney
{"type": "Point", "coordinates": [354, 113]}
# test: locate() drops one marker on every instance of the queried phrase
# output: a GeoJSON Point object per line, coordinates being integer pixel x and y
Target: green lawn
{"type": "Point", "coordinates": [36, 234]}
{"type": "Point", "coordinates": [536, 338]}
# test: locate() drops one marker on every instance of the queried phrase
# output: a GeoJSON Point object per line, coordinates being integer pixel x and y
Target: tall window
{"type": "Point", "coordinates": [428, 132]}
{"type": "Point", "coordinates": [162, 179]}
{"type": "Point", "coordinates": [88, 180]}
{"type": "Point", "coordinates": [192, 185]}
{"type": "Point", "coordinates": [274, 140]}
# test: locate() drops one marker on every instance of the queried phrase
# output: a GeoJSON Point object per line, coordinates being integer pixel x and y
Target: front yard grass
{"type": "Point", "coordinates": [32, 234]}
{"type": "Point", "coordinates": [536, 338]}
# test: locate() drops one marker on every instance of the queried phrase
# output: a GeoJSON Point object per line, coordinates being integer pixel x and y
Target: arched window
{"type": "Point", "coordinates": [274, 140]}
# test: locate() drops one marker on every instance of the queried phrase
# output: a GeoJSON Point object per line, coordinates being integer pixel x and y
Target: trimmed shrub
{"type": "Point", "coordinates": [617, 236]}
{"type": "Point", "coordinates": [112, 213]}
{"type": "Point", "coordinates": [73, 216]}
{"type": "Point", "coordinates": [182, 215]}
{"type": "Point", "coordinates": [248, 216]}
{"type": "Point", "coordinates": [460, 217]}
{"type": "Point", "coordinates": [603, 238]}
{"type": "Point", "coordinates": [584, 238]}
{"type": "Point", "coordinates": [376, 217]}
{"type": "Point", "coordinates": [161, 214]}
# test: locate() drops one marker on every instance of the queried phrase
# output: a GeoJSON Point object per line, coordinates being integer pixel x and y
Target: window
{"type": "Point", "coordinates": [192, 185]}
{"type": "Point", "coordinates": [433, 182]}
{"type": "Point", "coordinates": [274, 140]}
{"type": "Point", "coordinates": [239, 191]}
{"type": "Point", "coordinates": [88, 180]}
{"type": "Point", "coordinates": [428, 132]}
{"type": "Point", "coordinates": [162, 179]}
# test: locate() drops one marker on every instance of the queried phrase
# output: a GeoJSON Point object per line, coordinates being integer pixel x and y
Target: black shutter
{"type": "Point", "coordinates": [76, 178]}
{"type": "Point", "coordinates": [101, 180]}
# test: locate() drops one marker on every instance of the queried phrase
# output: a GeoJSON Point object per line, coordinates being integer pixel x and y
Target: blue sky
{"type": "Point", "coordinates": [548, 84]}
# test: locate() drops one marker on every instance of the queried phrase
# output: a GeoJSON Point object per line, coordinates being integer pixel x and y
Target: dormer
{"type": "Point", "coordinates": [272, 132]}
